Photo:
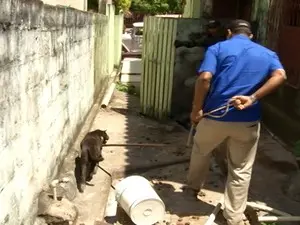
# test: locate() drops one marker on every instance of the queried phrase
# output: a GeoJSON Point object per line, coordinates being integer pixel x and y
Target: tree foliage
{"type": "Point", "coordinates": [122, 5]}
{"type": "Point", "coordinates": [156, 6]}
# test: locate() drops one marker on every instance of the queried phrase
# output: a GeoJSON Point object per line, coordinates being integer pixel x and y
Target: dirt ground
{"type": "Point", "coordinates": [124, 124]}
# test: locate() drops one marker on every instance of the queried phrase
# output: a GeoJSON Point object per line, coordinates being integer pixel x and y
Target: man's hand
{"type": "Point", "coordinates": [196, 116]}
{"type": "Point", "coordinates": [242, 102]}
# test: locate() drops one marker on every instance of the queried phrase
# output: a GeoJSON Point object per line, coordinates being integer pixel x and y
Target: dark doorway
{"type": "Point", "coordinates": [232, 9]}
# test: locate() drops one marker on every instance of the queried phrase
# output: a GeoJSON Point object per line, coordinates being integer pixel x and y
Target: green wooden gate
{"type": "Point", "coordinates": [158, 66]}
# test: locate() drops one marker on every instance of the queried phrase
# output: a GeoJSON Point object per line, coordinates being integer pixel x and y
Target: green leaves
{"type": "Point", "coordinates": [157, 6]}
{"type": "Point", "coordinates": [122, 5]}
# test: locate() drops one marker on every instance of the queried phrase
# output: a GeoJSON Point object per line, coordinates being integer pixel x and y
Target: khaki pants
{"type": "Point", "coordinates": [242, 141]}
{"type": "Point", "coordinates": [220, 155]}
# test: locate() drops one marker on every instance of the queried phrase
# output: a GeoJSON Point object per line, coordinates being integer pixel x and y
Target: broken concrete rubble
{"type": "Point", "coordinates": [56, 212]}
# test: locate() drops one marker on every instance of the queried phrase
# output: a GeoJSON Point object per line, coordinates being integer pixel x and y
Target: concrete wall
{"type": "Point", "coordinates": [77, 4]}
{"type": "Point", "coordinates": [47, 89]}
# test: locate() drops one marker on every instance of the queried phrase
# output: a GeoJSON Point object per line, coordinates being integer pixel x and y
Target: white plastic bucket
{"type": "Point", "coordinates": [139, 200]}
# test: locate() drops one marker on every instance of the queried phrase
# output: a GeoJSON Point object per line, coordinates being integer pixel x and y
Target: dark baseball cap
{"type": "Point", "coordinates": [239, 25]}
{"type": "Point", "coordinates": [213, 24]}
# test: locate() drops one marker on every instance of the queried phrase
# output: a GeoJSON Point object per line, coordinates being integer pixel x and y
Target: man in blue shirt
{"type": "Point", "coordinates": [241, 72]}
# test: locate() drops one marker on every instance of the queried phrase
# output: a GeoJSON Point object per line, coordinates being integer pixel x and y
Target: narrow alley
{"type": "Point", "coordinates": [60, 60]}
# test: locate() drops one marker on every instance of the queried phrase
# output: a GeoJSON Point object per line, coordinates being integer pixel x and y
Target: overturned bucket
{"type": "Point", "coordinates": [139, 200]}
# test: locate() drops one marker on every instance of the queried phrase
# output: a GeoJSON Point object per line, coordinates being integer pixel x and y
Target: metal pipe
{"type": "Point", "coordinates": [138, 145]}
{"type": "Point", "coordinates": [54, 184]}
{"type": "Point", "coordinates": [108, 95]}
{"type": "Point", "coordinates": [279, 218]}
{"type": "Point", "coordinates": [267, 209]}
{"type": "Point", "coordinates": [213, 215]}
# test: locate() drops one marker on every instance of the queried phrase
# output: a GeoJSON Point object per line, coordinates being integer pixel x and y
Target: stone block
{"type": "Point", "coordinates": [26, 14]}
{"type": "Point", "coordinates": [81, 19]}
{"type": "Point", "coordinates": [4, 49]}
{"type": "Point", "coordinates": [11, 45]}
{"type": "Point", "coordinates": [54, 17]}
{"type": "Point", "coordinates": [71, 16]}
{"type": "Point", "coordinates": [5, 15]}
{"type": "Point", "coordinates": [21, 13]}
{"type": "Point", "coordinates": [36, 14]}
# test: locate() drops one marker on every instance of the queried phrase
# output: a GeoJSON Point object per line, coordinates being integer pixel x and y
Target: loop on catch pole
{"type": "Point", "coordinates": [226, 107]}
{"type": "Point", "coordinates": [210, 113]}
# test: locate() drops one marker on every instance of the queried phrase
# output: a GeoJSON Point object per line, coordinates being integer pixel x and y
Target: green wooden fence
{"type": "Point", "coordinates": [108, 46]}
{"type": "Point", "coordinates": [119, 23]}
{"type": "Point", "coordinates": [101, 69]}
{"type": "Point", "coordinates": [192, 8]}
{"type": "Point", "coordinates": [110, 12]}
{"type": "Point", "coordinates": [158, 66]}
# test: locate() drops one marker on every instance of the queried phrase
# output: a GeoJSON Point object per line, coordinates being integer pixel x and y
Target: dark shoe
{"type": "Point", "coordinates": [194, 193]}
{"type": "Point", "coordinates": [81, 188]}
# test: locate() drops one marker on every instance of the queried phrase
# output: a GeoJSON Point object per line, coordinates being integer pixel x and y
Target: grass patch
{"type": "Point", "coordinates": [128, 88]}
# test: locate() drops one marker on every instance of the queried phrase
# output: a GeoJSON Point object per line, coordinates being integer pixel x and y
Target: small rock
{"type": "Point", "coordinates": [201, 194]}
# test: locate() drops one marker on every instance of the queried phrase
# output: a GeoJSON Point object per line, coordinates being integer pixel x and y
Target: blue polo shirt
{"type": "Point", "coordinates": [239, 67]}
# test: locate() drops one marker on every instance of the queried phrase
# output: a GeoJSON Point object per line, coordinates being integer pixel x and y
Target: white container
{"type": "Point", "coordinates": [139, 200]}
{"type": "Point", "coordinates": [131, 66]}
